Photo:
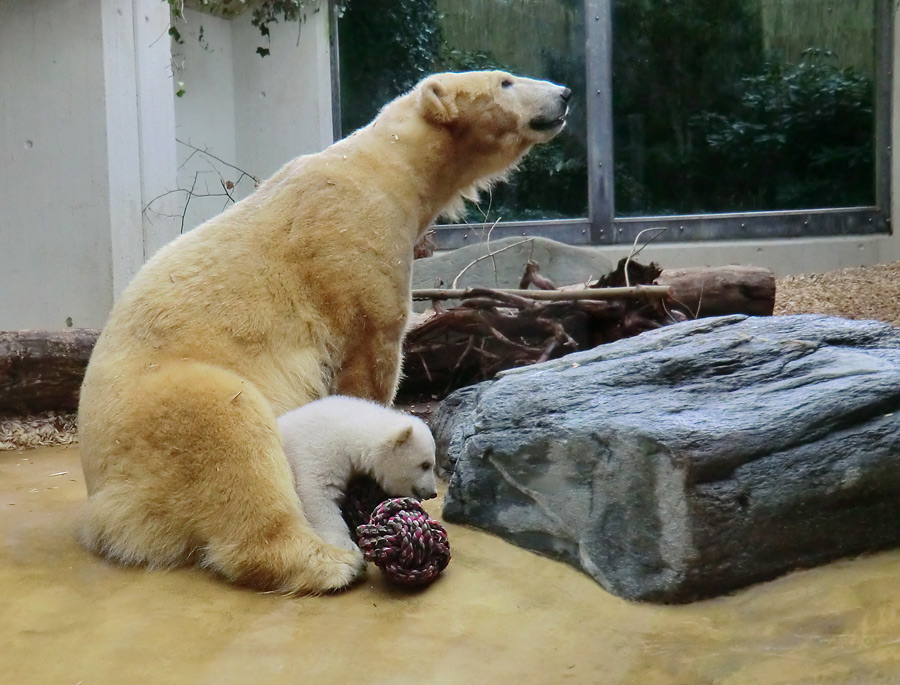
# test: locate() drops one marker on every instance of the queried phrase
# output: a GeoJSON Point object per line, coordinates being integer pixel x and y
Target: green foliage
{"type": "Point", "coordinates": [387, 46]}
{"type": "Point", "coordinates": [263, 14]}
{"type": "Point", "coordinates": [799, 136]}
{"type": "Point", "coordinates": [672, 60]}
{"type": "Point", "coordinates": [550, 183]}
{"type": "Point", "coordinates": [704, 123]}
{"type": "Point", "coordinates": [175, 11]}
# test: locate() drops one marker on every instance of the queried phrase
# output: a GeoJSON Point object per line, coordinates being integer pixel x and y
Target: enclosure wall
{"type": "Point", "coordinates": [90, 185]}
{"type": "Point", "coordinates": [253, 113]}
{"type": "Point", "coordinates": [86, 123]}
{"type": "Point", "coordinates": [55, 240]}
{"type": "Point", "coordinates": [799, 255]}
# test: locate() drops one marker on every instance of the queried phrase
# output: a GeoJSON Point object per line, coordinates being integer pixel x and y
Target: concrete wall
{"type": "Point", "coordinates": [785, 257]}
{"type": "Point", "coordinates": [88, 122]}
{"type": "Point", "coordinates": [52, 64]}
{"type": "Point", "coordinates": [282, 102]}
{"type": "Point", "coordinates": [73, 119]}
{"type": "Point", "coordinates": [204, 116]}
{"type": "Point", "coordinates": [88, 128]}
{"type": "Point", "coordinates": [252, 112]}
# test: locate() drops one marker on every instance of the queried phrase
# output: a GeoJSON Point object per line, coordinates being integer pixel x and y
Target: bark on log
{"type": "Point", "coordinates": [42, 370]}
{"type": "Point", "coordinates": [717, 291]}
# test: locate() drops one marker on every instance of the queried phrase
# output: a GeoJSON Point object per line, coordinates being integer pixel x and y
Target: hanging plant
{"type": "Point", "coordinates": [263, 13]}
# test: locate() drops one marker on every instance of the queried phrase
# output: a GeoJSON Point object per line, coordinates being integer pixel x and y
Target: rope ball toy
{"type": "Point", "coordinates": [399, 537]}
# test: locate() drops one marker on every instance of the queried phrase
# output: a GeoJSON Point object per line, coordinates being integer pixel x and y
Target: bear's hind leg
{"type": "Point", "coordinates": [204, 478]}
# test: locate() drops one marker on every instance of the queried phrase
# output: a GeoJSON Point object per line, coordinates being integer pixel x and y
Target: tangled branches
{"type": "Point", "coordinates": [493, 330]}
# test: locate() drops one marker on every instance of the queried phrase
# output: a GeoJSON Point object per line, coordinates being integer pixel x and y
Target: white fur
{"type": "Point", "coordinates": [329, 441]}
{"type": "Point", "coordinates": [299, 291]}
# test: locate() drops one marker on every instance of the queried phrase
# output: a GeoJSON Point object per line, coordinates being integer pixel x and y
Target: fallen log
{"type": "Point", "coordinates": [42, 370]}
{"type": "Point", "coordinates": [722, 290]}
{"type": "Point", "coordinates": [705, 291]}
{"type": "Point", "coordinates": [492, 330]}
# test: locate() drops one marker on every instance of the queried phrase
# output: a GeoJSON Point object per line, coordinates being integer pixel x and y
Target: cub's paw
{"type": "Point", "coordinates": [342, 541]}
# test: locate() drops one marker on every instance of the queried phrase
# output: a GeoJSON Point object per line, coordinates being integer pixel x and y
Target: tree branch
{"type": "Point", "coordinates": [551, 295]}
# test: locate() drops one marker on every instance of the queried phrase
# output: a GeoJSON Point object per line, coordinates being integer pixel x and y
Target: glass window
{"type": "Point", "coordinates": [743, 105]}
{"type": "Point", "coordinates": [386, 46]}
{"type": "Point", "coordinates": [710, 119]}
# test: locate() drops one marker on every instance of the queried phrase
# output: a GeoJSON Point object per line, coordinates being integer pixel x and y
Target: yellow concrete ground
{"type": "Point", "coordinates": [499, 615]}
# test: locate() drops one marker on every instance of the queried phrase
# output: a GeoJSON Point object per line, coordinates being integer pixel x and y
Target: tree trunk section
{"type": "Point", "coordinates": [721, 290]}
{"type": "Point", "coordinates": [42, 370]}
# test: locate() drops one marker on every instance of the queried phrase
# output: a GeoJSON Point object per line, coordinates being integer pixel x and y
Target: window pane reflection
{"type": "Point", "coordinates": [386, 46]}
{"type": "Point", "coordinates": [743, 105]}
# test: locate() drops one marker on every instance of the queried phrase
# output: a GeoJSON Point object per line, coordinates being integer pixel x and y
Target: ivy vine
{"type": "Point", "coordinates": [264, 13]}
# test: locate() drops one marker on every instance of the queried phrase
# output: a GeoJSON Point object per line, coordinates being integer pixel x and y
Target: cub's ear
{"type": "Point", "coordinates": [437, 102]}
{"type": "Point", "coordinates": [401, 436]}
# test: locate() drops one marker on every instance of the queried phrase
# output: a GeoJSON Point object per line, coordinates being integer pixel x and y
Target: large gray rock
{"type": "Point", "coordinates": [691, 460]}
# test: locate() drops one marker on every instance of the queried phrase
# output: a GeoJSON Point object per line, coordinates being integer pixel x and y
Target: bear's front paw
{"type": "Point", "coordinates": [342, 569]}
{"type": "Point", "coordinates": [357, 563]}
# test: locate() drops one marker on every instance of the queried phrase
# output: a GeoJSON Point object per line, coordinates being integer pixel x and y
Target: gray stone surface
{"type": "Point", "coordinates": [691, 460]}
{"type": "Point", "coordinates": [563, 264]}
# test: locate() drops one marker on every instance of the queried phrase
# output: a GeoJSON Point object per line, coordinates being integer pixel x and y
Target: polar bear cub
{"type": "Point", "coordinates": [329, 441]}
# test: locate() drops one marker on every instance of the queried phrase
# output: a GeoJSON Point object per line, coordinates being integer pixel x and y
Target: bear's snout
{"type": "Point", "coordinates": [553, 108]}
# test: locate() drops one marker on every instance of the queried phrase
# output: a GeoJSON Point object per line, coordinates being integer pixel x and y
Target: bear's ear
{"type": "Point", "coordinates": [401, 436]}
{"type": "Point", "coordinates": [437, 102]}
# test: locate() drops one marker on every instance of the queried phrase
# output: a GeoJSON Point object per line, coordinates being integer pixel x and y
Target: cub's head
{"type": "Point", "coordinates": [493, 117]}
{"type": "Point", "coordinates": [404, 463]}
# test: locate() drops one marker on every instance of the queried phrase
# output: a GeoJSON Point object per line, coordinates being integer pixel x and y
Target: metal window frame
{"type": "Point", "coordinates": [602, 227]}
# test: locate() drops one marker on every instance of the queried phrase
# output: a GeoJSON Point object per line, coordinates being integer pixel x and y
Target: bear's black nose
{"type": "Point", "coordinates": [565, 95]}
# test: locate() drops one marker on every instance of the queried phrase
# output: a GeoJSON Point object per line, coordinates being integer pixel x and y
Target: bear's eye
{"type": "Point", "coordinates": [506, 83]}
{"type": "Point", "coordinates": [425, 465]}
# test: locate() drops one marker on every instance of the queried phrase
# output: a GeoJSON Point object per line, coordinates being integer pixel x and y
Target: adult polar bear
{"type": "Point", "coordinates": [299, 291]}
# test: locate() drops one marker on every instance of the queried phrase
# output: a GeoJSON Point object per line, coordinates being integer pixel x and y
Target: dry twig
{"type": "Point", "coordinates": [489, 255]}
{"type": "Point", "coordinates": [495, 329]}
{"type": "Point", "coordinates": [635, 251]}
{"type": "Point", "coordinates": [636, 291]}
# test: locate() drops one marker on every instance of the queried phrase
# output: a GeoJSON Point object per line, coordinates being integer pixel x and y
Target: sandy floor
{"type": "Point", "coordinates": [862, 292]}
{"type": "Point", "coordinates": [499, 615]}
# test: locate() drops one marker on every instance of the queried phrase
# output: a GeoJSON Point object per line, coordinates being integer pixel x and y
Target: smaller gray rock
{"type": "Point", "coordinates": [688, 461]}
{"type": "Point", "coordinates": [563, 264]}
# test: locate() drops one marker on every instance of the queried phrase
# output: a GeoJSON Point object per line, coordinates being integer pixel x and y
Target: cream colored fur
{"type": "Point", "coordinates": [329, 441]}
{"type": "Point", "coordinates": [299, 291]}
